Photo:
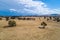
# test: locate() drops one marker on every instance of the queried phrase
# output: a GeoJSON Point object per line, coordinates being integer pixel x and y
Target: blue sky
{"type": "Point", "coordinates": [52, 3]}
{"type": "Point", "coordinates": [31, 6]}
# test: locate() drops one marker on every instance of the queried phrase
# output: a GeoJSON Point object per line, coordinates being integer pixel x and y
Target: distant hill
{"type": "Point", "coordinates": [7, 13]}
{"type": "Point", "coordinates": [54, 15]}
{"type": "Point", "coordinates": [14, 13]}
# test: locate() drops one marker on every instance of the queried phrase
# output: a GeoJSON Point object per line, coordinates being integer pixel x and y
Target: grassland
{"type": "Point", "coordinates": [28, 30]}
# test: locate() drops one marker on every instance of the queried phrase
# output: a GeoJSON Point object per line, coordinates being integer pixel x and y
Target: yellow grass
{"type": "Point", "coordinates": [28, 30]}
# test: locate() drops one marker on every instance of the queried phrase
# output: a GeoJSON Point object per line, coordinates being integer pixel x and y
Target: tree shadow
{"type": "Point", "coordinates": [7, 26]}
{"type": "Point", "coordinates": [41, 27]}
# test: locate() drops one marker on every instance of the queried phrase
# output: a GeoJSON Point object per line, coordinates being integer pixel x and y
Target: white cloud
{"type": "Point", "coordinates": [57, 11]}
{"type": "Point", "coordinates": [12, 9]}
{"type": "Point", "coordinates": [30, 6]}
{"type": "Point", "coordinates": [34, 6]}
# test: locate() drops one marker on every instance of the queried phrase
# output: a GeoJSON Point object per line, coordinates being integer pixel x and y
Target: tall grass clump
{"type": "Point", "coordinates": [11, 23]}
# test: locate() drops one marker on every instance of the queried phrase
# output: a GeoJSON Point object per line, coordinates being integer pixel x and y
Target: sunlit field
{"type": "Point", "coordinates": [29, 30]}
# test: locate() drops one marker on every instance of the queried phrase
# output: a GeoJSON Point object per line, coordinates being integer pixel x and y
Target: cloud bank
{"type": "Point", "coordinates": [36, 7]}
{"type": "Point", "coordinates": [30, 6]}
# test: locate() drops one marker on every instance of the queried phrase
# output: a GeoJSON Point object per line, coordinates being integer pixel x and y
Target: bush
{"type": "Point", "coordinates": [7, 18]}
{"type": "Point", "coordinates": [43, 24]}
{"type": "Point", "coordinates": [0, 18]}
{"type": "Point", "coordinates": [13, 17]}
{"type": "Point", "coordinates": [11, 23]}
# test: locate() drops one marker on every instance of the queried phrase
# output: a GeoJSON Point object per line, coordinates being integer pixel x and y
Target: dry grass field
{"type": "Point", "coordinates": [28, 30]}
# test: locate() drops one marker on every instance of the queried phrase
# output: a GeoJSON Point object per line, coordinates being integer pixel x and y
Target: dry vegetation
{"type": "Point", "coordinates": [28, 30]}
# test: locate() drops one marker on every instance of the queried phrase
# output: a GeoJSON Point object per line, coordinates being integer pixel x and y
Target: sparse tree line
{"type": "Point", "coordinates": [12, 23]}
{"type": "Point", "coordinates": [43, 24]}
{"type": "Point", "coordinates": [19, 18]}
{"type": "Point", "coordinates": [54, 18]}
{"type": "Point", "coordinates": [57, 19]}
{"type": "Point", "coordinates": [26, 18]}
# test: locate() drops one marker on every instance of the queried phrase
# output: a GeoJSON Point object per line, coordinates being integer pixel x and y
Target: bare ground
{"type": "Point", "coordinates": [28, 30]}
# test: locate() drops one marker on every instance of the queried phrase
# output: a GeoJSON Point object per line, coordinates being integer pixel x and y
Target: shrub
{"type": "Point", "coordinates": [43, 24]}
{"type": "Point", "coordinates": [0, 18]}
{"type": "Point", "coordinates": [13, 17]}
{"type": "Point", "coordinates": [7, 18]}
{"type": "Point", "coordinates": [11, 23]}
{"type": "Point", "coordinates": [58, 20]}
